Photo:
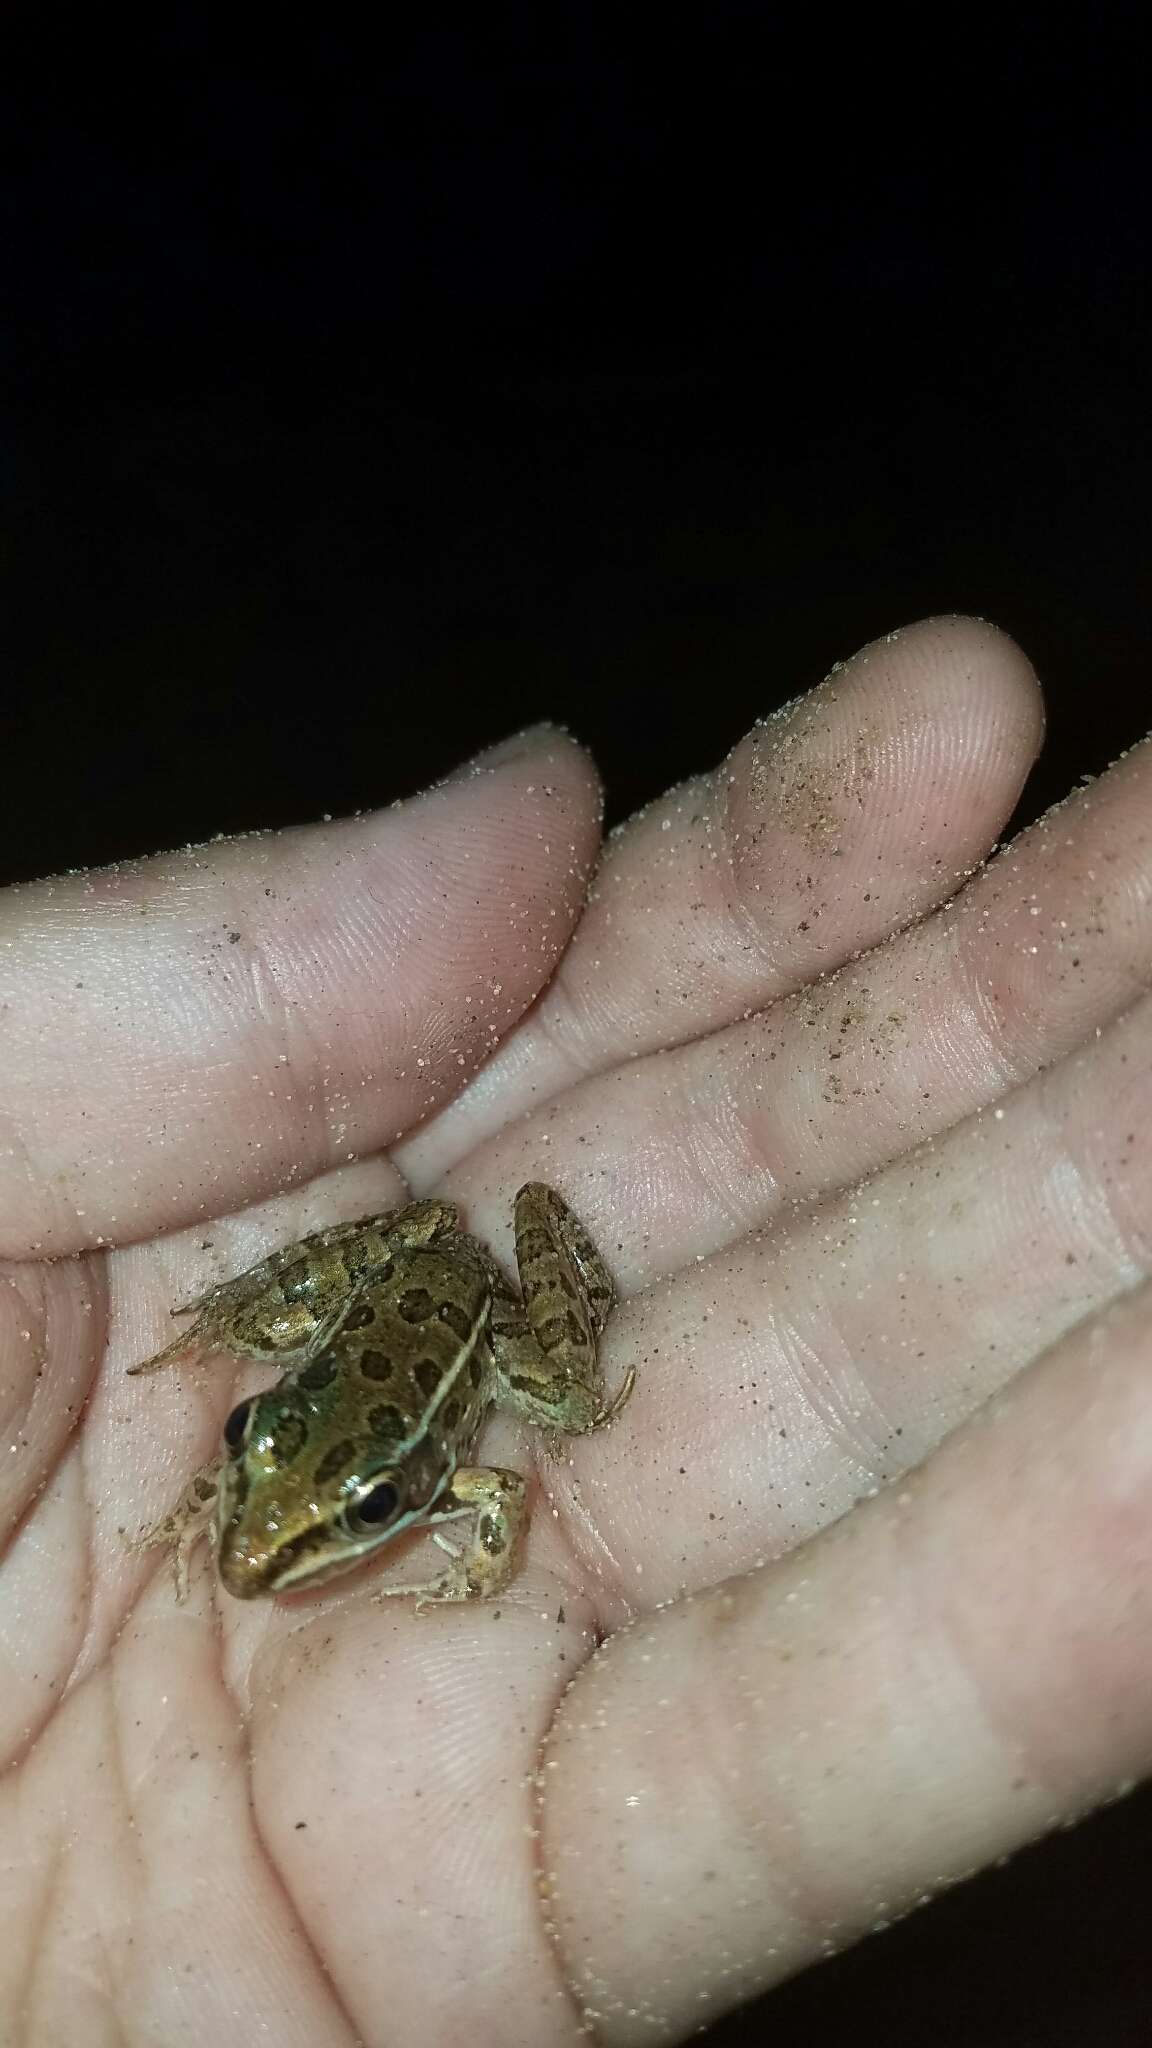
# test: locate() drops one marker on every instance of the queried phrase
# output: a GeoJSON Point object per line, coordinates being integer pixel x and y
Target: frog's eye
{"type": "Point", "coordinates": [237, 1423]}
{"type": "Point", "coordinates": [374, 1509]}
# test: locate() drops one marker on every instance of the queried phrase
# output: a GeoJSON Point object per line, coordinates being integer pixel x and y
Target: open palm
{"type": "Point", "coordinates": [860, 1139]}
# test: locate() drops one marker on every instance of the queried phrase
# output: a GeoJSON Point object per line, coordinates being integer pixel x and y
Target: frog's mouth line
{"type": "Point", "coordinates": [301, 1561]}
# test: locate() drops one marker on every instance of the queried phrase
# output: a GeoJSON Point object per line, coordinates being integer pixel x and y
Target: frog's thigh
{"type": "Point", "coordinates": [552, 1242]}
{"type": "Point", "coordinates": [545, 1346]}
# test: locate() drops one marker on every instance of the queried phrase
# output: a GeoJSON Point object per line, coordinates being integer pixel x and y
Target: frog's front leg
{"type": "Point", "coordinates": [546, 1347]}
{"type": "Point", "coordinates": [497, 1499]}
{"type": "Point", "coordinates": [188, 1522]}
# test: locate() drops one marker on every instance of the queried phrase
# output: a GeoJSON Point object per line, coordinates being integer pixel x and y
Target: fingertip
{"type": "Point", "coordinates": [968, 650]}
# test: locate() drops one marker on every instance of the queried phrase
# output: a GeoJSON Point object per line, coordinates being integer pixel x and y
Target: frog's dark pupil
{"type": "Point", "coordinates": [234, 1427]}
{"type": "Point", "coordinates": [378, 1505]}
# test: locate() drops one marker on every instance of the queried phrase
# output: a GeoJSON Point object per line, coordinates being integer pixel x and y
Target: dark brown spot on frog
{"type": "Point", "coordinates": [546, 1389]}
{"type": "Point", "coordinates": [283, 1442]}
{"type": "Point", "coordinates": [559, 1330]}
{"type": "Point", "coordinates": [427, 1375]}
{"type": "Point", "coordinates": [532, 1244]}
{"type": "Point", "coordinates": [475, 1370]}
{"type": "Point", "coordinates": [297, 1279]}
{"type": "Point", "coordinates": [458, 1320]}
{"type": "Point", "coordinates": [386, 1420]}
{"type": "Point", "coordinates": [334, 1462]}
{"type": "Point", "coordinates": [320, 1373]}
{"type": "Point", "coordinates": [359, 1318]}
{"type": "Point", "coordinates": [451, 1415]}
{"type": "Point", "coordinates": [375, 1364]}
{"type": "Point", "coordinates": [415, 1305]}
{"type": "Point", "coordinates": [424, 1472]}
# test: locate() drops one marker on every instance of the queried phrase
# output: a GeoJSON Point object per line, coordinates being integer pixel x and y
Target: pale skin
{"type": "Point", "coordinates": [336, 1820]}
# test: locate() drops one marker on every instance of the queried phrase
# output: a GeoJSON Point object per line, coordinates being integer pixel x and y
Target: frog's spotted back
{"type": "Point", "coordinates": [403, 1333]}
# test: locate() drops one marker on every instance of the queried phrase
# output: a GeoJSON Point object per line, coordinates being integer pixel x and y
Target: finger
{"type": "Point", "coordinates": [688, 1150]}
{"type": "Point", "coordinates": [743, 1783]}
{"type": "Point", "coordinates": [781, 1381]}
{"type": "Point", "coordinates": [127, 1831]}
{"type": "Point", "coordinates": [185, 1035]}
{"type": "Point", "coordinates": [836, 821]}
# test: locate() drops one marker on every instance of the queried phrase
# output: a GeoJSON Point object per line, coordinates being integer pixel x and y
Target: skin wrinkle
{"type": "Point", "coordinates": [294, 1913]}
{"type": "Point", "coordinates": [699, 1144]}
{"type": "Point", "coordinates": [974, 1019]}
{"type": "Point", "coordinates": [1128, 1254]}
{"type": "Point", "coordinates": [584, 1547]}
{"type": "Point", "coordinates": [93, 1639]}
{"type": "Point", "coordinates": [998, 1023]}
{"type": "Point", "coordinates": [563, 1036]}
{"type": "Point", "coordinates": [750, 1126]}
{"type": "Point", "coordinates": [51, 1306]}
{"type": "Point", "coordinates": [969, 1037]}
{"type": "Point", "coordinates": [805, 1902]}
{"type": "Point", "coordinates": [110, 1679]}
{"type": "Point", "coordinates": [536, 1790]}
{"type": "Point", "coordinates": [1023, 1752]}
{"type": "Point", "coordinates": [37, 1950]}
{"type": "Point", "coordinates": [18, 1757]}
{"type": "Point", "coordinates": [773, 968]}
{"type": "Point", "coordinates": [288, 1032]}
{"type": "Point", "coordinates": [14, 1145]}
{"type": "Point", "coordinates": [840, 1443]}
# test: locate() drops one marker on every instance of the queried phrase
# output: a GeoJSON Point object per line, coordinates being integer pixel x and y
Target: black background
{"type": "Point", "coordinates": [366, 403]}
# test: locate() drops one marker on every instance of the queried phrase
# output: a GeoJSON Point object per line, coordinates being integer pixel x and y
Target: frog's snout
{"type": "Point", "coordinates": [245, 1567]}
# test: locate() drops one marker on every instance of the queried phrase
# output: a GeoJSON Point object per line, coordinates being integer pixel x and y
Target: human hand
{"type": "Point", "coordinates": [339, 1819]}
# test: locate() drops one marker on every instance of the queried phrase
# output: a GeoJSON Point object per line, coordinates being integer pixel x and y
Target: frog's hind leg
{"type": "Point", "coordinates": [290, 1304]}
{"type": "Point", "coordinates": [546, 1346]}
{"type": "Point", "coordinates": [552, 1249]}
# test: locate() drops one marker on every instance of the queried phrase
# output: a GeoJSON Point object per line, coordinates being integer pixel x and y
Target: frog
{"type": "Point", "coordinates": [399, 1334]}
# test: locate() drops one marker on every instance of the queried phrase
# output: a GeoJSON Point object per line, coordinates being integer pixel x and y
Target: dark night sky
{"type": "Point", "coordinates": [362, 406]}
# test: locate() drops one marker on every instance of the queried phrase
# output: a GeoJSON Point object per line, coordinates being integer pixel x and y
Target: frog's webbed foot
{"type": "Point", "coordinates": [186, 1345]}
{"type": "Point", "coordinates": [215, 1311]}
{"type": "Point", "coordinates": [557, 1447]}
{"type": "Point", "coordinates": [619, 1401]}
{"type": "Point", "coordinates": [183, 1529]}
{"type": "Point", "coordinates": [497, 1498]}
